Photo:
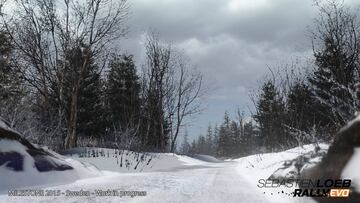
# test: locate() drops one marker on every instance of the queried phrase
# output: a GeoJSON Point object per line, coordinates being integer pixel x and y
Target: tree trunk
{"type": "Point", "coordinates": [162, 137]}
{"type": "Point", "coordinates": [173, 141]}
{"type": "Point", "coordinates": [71, 137]}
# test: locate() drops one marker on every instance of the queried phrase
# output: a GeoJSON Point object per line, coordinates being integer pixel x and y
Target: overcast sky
{"type": "Point", "coordinates": [229, 41]}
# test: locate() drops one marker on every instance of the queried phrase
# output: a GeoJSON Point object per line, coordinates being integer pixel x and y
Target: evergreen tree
{"type": "Point", "coordinates": [91, 109]}
{"type": "Point", "coordinates": [215, 139]}
{"type": "Point", "coordinates": [123, 93]}
{"type": "Point", "coordinates": [201, 145]}
{"type": "Point", "coordinates": [234, 138]}
{"type": "Point", "coordinates": [304, 115]}
{"type": "Point", "coordinates": [330, 82]}
{"type": "Point", "coordinates": [185, 145]}
{"type": "Point", "coordinates": [248, 141]}
{"type": "Point", "coordinates": [193, 148]}
{"type": "Point", "coordinates": [270, 116]}
{"type": "Point", "coordinates": [300, 103]}
{"type": "Point", "coordinates": [336, 58]}
{"type": "Point", "coordinates": [224, 140]}
{"type": "Point", "coordinates": [209, 141]}
{"type": "Point", "coordinates": [82, 71]}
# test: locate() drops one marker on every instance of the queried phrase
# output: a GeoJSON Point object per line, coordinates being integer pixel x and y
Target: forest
{"type": "Point", "coordinates": [65, 83]}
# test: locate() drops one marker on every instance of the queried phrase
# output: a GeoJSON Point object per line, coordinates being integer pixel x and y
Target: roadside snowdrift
{"type": "Point", "coordinates": [287, 164]}
{"type": "Point", "coordinates": [341, 160]}
{"type": "Point", "coordinates": [23, 164]}
{"type": "Point", "coordinates": [125, 161]}
{"type": "Point", "coordinates": [280, 164]}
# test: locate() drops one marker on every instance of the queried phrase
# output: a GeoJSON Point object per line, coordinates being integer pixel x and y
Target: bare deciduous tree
{"type": "Point", "coordinates": [45, 31]}
{"type": "Point", "coordinates": [172, 92]}
{"type": "Point", "coordinates": [188, 90]}
{"type": "Point", "coordinates": [157, 85]}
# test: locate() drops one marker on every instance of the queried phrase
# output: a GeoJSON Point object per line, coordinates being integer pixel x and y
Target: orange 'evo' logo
{"type": "Point", "coordinates": [339, 192]}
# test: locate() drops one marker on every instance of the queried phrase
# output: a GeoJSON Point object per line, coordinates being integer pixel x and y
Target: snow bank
{"type": "Point", "coordinates": [29, 175]}
{"type": "Point", "coordinates": [207, 158]}
{"type": "Point", "coordinates": [125, 161]}
{"type": "Point", "coordinates": [262, 166]}
{"type": "Point", "coordinates": [23, 164]}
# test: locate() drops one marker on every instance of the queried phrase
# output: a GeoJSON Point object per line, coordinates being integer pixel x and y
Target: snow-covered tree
{"type": "Point", "coordinates": [336, 51]}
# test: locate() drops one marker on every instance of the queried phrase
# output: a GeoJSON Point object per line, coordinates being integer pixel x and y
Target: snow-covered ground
{"type": "Point", "coordinates": [175, 178]}
{"type": "Point", "coordinates": [93, 174]}
{"type": "Point", "coordinates": [219, 183]}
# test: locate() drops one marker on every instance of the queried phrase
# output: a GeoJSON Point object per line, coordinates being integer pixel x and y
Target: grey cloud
{"type": "Point", "coordinates": [179, 20]}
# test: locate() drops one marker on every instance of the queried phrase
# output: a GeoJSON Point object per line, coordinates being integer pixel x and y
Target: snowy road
{"type": "Point", "coordinates": [216, 182]}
